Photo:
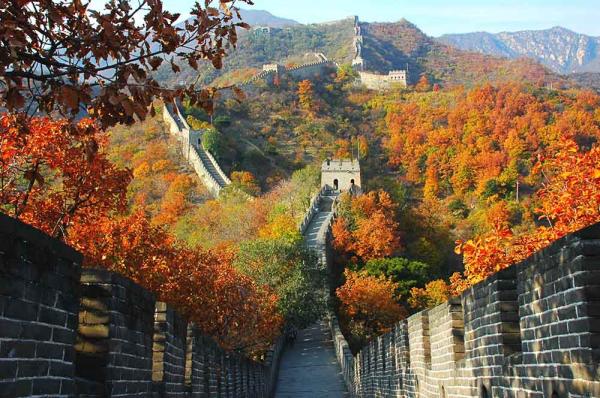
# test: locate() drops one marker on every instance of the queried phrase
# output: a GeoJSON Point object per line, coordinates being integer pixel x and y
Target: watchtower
{"type": "Point", "coordinates": [279, 69]}
{"type": "Point", "coordinates": [341, 175]}
{"type": "Point", "coordinates": [397, 76]}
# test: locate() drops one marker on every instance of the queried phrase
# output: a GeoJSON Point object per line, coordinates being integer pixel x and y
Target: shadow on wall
{"type": "Point", "coordinates": [94, 333]}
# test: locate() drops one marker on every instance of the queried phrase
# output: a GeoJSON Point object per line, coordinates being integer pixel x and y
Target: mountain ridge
{"type": "Point", "coordinates": [256, 18]}
{"type": "Point", "coordinates": [561, 49]}
{"type": "Point", "coordinates": [385, 46]}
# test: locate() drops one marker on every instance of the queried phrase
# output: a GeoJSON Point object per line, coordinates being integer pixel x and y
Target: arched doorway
{"type": "Point", "coordinates": [484, 392]}
{"type": "Point", "coordinates": [352, 181]}
{"type": "Point", "coordinates": [335, 184]}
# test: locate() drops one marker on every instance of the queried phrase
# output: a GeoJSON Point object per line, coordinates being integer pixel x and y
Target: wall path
{"type": "Point", "coordinates": [309, 368]}
{"type": "Point", "coordinates": [203, 163]}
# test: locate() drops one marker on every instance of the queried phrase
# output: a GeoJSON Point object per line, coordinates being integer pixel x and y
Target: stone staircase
{"type": "Point", "coordinates": [201, 160]}
{"type": "Point", "coordinates": [211, 166]}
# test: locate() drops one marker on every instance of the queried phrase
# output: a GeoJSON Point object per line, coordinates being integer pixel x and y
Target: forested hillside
{"type": "Point", "coordinates": [440, 164]}
{"type": "Point", "coordinates": [401, 44]}
{"type": "Point", "coordinates": [292, 45]}
{"type": "Point", "coordinates": [386, 46]}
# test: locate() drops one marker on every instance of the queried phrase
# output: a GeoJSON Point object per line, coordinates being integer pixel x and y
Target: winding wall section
{"type": "Point", "coordinates": [204, 164]}
{"type": "Point", "coordinates": [309, 368]}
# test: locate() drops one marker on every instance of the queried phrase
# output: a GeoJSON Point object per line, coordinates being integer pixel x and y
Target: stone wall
{"type": "Point", "coordinates": [379, 82]}
{"type": "Point", "coordinates": [311, 70]}
{"type": "Point", "coordinates": [529, 331]}
{"type": "Point", "coordinates": [312, 210]}
{"type": "Point", "coordinates": [304, 71]}
{"type": "Point", "coordinates": [188, 139]}
{"type": "Point", "coordinates": [67, 331]}
{"type": "Point", "coordinates": [39, 301]}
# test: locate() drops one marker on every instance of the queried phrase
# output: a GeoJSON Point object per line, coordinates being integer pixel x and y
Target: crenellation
{"type": "Point", "coordinates": [67, 331]}
{"type": "Point", "coordinates": [530, 330]}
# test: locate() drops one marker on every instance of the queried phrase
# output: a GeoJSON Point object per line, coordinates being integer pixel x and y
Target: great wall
{"type": "Point", "coordinates": [529, 331]}
{"type": "Point", "coordinates": [371, 80]}
{"type": "Point", "coordinates": [201, 160]}
{"type": "Point", "coordinates": [68, 331]}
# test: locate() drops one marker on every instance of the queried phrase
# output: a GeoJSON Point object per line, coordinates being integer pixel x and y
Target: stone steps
{"type": "Point", "coordinates": [309, 367]}
{"type": "Point", "coordinates": [211, 168]}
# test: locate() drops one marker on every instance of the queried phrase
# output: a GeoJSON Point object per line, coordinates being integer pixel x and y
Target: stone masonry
{"type": "Point", "coordinates": [529, 331]}
{"type": "Point", "coordinates": [39, 301]}
{"type": "Point", "coordinates": [72, 332]}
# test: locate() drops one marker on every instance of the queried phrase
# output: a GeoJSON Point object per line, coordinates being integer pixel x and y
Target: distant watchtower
{"type": "Point", "coordinates": [397, 76]}
{"type": "Point", "coordinates": [341, 175]}
{"type": "Point", "coordinates": [279, 69]}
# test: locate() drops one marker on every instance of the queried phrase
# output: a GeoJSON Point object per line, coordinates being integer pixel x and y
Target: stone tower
{"type": "Point", "coordinates": [341, 175]}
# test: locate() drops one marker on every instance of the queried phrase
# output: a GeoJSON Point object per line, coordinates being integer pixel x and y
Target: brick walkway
{"type": "Point", "coordinates": [309, 368]}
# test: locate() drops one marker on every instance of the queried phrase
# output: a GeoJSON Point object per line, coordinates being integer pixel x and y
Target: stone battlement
{"type": "Point", "coordinates": [376, 81]}
{"type": "Point", "coordinates": [304, 71]}
{"type": "Point", "coordinates": [204, 164]}
{"type": "Point", "coordinates": [529, 331]}
{"type": "Point", "coordinates": [308, 65]}
{"type": "Point", "coordinates": [67, 331]}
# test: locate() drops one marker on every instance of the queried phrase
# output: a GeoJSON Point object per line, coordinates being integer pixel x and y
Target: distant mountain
{"type": "Point", "coordinates": [257, 18]}
{"type": "Point", "coordinates": [401, 44]}
{"type": "Point", "coordinates": [562, 50]}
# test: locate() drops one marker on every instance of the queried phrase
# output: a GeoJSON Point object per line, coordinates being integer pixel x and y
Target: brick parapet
{"type": "Point", "coordinates": [39, 286]}
{"type": "Point", "coordinates": [530, 330]}
{"type": "Point", "coordinates": [91, 333]}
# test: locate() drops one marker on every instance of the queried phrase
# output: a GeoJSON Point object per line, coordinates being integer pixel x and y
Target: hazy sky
{"type": "Point", "coordinates": [436, 17]}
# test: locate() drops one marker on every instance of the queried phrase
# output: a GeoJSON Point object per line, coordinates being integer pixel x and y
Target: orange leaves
{"type": "Point", "coordinates": [367, 228]}
{"type": "Point", "coordinates": [423, 84]}
{"type": "Point", "coordinates": [568, 201]}
{"type": "Point", "coordinates": [368, 304]}
{"type": "Point", "coordinates": [455, 143]}
{"type": "Point", "coordinates": [342, 237]}
{"type": "Point", "coordinates": [306, 96]}
{"type": "Point", "coordinates": [434, 293]}
{"type": "Point", "coordinates": [376, 236]}
{"type": "Point", "coordinates": [203, 285]}
{"type": "Point", "coordinates": [245, 181]}
{"type": "Point", "coordinates": [53, 175]}
{"type": "Point", "coordinates": [343, 149]}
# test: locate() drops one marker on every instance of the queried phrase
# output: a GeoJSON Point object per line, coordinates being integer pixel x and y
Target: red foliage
{"type": "Point", "coordinates": [367, 228]}
{"type": "Point", "coordinates": [568, 201]}
{"type": "Point", "coordinates": [54, 175]}
{"type": "Point", "coordinates": [202, 285]}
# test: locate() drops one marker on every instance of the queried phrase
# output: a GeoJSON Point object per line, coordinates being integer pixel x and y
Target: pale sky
{"type": "Point", "coordinates": [436, 17]}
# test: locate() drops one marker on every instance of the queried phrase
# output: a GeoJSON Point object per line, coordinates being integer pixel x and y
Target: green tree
{"type": "Point", "coordinates": [404, 272]}
{"type": "Point", "coordinates": [291, 271]}
{"type": "Point", "coordinates": [214, 142]}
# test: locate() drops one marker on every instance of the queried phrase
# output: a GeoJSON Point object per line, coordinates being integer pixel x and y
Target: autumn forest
{"type": "Point", "coordinates": [465, 171]}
